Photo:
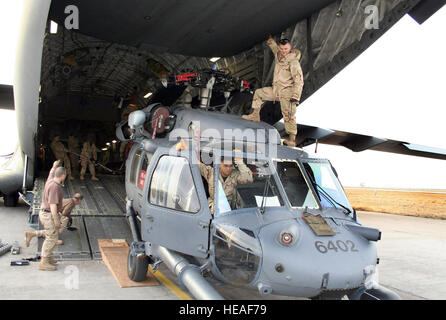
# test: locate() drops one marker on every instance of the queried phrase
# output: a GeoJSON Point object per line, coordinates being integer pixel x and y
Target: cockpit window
{"type": "Point", "coordinates": [260, 191]}
{"type": "Point", "coordinates": [296, 188]}
{"type": "Point", "coordinates": [135, 163]}
{"type": "Point", "coordinates": [172, 185]}
{"type": "Point", "coordinates": [237, 253]}
{"type": "Point", "coordinates": [327, 186]}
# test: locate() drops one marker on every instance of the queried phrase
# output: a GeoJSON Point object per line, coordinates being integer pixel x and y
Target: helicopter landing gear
{"type": "Point", "coordinates": [11, 200]}
{"type": "Point", "coordinates": [137, 265]}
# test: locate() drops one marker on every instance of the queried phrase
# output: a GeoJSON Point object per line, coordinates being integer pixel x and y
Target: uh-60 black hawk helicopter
{"type": "Point", "coordinates": [287, 230]}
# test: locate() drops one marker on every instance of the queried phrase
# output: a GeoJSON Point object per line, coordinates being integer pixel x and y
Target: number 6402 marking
{"type": "Point", "coordinates": [339, 245]}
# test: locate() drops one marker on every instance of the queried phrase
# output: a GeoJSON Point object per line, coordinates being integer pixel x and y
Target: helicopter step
{"type": "Point", "coordinates": [101, 215]}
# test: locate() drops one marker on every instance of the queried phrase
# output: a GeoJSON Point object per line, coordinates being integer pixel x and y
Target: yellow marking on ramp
{"type": "Point", "coordinates": [170, 285]}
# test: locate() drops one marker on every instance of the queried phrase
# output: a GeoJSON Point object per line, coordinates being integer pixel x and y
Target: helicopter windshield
{"type": "Point", "coordinates": [251, 184]}
{"type": "Point", "coordinates": [326, 185]}
{"type": "Point", "coordinates": [293, 181]}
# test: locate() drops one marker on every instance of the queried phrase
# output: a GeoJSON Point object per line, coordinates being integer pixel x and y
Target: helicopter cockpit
{"type": "Point", "coordinates": [281, 182]}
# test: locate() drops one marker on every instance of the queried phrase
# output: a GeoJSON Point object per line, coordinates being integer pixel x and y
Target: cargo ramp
{"type": "Point", "coordinates": [101, 215]}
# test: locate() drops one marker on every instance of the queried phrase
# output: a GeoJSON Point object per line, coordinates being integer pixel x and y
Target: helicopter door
{"type": "Point", "coordinates": [177, 212]}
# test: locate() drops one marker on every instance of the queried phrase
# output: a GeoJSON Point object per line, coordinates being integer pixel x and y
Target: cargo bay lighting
{"type": "Point", "coordinates": [148, 95]}
{"type": "Point", "coordinates": [53, 27]}
{"type": "Point", "coordinates": [214, 59]}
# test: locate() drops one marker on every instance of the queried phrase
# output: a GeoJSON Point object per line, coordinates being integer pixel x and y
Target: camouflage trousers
{"type": "Point", "coordinates": [50, 233]}
{"type": "Point", "coordinates": [84, 164]}
{"type": "Point", "coordinates": [283, 96]}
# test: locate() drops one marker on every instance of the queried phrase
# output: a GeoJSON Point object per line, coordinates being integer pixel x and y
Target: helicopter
{"type": "Point", "coordinates": [295, 205]}
{"type": "Point", "coordinates": [288, 231]}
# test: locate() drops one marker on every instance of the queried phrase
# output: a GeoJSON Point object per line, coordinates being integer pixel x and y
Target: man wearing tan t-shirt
{"type": "Point", "coordinates": [49, 217]}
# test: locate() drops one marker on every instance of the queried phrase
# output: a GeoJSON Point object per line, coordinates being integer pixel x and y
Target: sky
{"type": "Point", "coordinates": [395, 89]}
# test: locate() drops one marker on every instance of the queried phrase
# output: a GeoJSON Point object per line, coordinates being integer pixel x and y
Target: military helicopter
{"type": "Point", "coordinates": [290, 231]}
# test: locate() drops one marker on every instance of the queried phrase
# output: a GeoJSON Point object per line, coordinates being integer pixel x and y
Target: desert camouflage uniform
{"type": "Point", "coordinates": [87, 155]}
{"type": "Point", "coordinates": [73, 147]}
{"type": "Point", "coordinates": [288, 83]}
{"type": "Point", "coordinates": [240, 175]}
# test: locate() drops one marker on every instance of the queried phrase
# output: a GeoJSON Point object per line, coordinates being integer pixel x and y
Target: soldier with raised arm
{"type": "Point", "coordinates": [287, 87]}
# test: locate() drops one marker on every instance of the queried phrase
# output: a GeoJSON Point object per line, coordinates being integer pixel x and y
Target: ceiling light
{"type": "Point", "coordinates": [114, 141]}
{"type": "Point", "coordinates": [108, 143]}
{"type": "Point", "coordinates": [104, 149]}
{"type": "Point", "coordinates": [53, 27]}
{"type": "Point", "coordinates": [148, 95]}
{"type": "Point", "coordinates": [214, 59]}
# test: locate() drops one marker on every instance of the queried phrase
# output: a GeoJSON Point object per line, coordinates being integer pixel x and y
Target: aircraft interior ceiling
{"type": "Point", "coordinates": [76, 63]}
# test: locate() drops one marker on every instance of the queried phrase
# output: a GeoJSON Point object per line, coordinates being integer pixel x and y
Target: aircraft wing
{"type": "Point", "coordinates": [308, 135]}
{"type": "Point", "coordinates": [6, 97]}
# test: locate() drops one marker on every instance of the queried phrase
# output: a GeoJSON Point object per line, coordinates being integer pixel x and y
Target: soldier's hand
{"type": "Point", "coordinates": [237, 159]}
{"type": "Point", "coordinates": [57, 163]}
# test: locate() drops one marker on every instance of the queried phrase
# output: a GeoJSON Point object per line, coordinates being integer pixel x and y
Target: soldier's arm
{"type": "Point", "coordinates": [298, 78]}
{"type": "Point", "coordinates": [56, 164]}
{"type": "Point", "coordinates": [206, 171]}
{"type": "Point", "coordinates": [245, 175]}
{"type": "Point", "coordinates": [273, 45]}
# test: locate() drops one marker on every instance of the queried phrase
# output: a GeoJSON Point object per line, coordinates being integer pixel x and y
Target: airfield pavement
{"type": "Point", "coordinates": [412, 258]}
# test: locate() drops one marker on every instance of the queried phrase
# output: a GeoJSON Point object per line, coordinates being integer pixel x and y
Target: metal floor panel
{"type": "Point", "coordinates": [76, 245]}
{"type": "Point", "coordinates": [106, 228]}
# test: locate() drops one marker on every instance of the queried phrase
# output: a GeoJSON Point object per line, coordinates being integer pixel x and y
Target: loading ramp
{"type": "Point", "coordinates": [101, 215]}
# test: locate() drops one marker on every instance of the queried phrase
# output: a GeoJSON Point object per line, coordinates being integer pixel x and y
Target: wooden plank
{"type": "Point", "coordinates": [114, 254]}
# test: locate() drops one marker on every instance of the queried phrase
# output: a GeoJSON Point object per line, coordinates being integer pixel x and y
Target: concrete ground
{"type": "Point", "coordinates": [412, 254]}
{"type": "Point", "coordinates": [412, 259]}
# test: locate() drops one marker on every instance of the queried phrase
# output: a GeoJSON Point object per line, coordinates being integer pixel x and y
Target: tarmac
{"type": "Point", "coordinates": [412, 256]}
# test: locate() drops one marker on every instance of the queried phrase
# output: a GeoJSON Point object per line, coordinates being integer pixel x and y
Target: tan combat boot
{"type": "Point", "coordinates": [28, 237]}
{"type": "Point", "coordinates": [94, 178]}
{"type": "Point", "coordinates": [82, 177]}
{"type": "Point", "coordinates": [254, 116]}
{"type": "Point", "coordinates": [290, 141]}
{"type": "Point", "coordinates": [52, 261]}
{"type": "Point", "coordinates": [59, 242]}
{"type": "Point", "coordinates": [45, 265]}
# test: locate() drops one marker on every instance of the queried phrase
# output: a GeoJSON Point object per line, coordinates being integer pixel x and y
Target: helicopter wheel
{"type": "Point", "coordinates": [137, 267]}
{"type": "Point", "coordinates": [11, 200]}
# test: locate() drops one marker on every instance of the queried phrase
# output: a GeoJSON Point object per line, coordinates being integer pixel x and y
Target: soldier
{"type": "Point", "coordinates": [60, 152]}
{"type": "Point", "coordinates": [287, 87]}
{"type": "Point", "coordinates": [88, 156]}
{"type": "Point", "coordinates": [73, 147]}
{"type": "Point", "coordinates": [49, 216]}
{"type": "Point", "coordinates": [229, 177]}
{"type": "Point", "coordinates": [65, 218]}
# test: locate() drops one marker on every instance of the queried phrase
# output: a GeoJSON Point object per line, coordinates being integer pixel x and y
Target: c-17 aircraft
{"type": "Point", "coordinates": [290, 231]}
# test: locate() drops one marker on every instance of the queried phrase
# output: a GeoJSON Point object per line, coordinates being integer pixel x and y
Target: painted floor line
{"type": "Point", "coordinates": [170, 285]}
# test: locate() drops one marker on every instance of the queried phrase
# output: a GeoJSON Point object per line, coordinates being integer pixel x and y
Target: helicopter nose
{"type": "Point", "coordinates": [297, 262]}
